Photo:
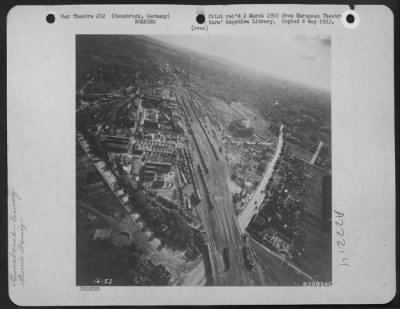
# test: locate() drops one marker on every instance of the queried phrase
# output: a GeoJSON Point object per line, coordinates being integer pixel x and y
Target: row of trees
{"type": "Point", "coordinates": [168, 225]}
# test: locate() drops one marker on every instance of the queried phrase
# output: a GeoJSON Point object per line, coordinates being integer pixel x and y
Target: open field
{"type": "Point", "coordinates": [239, 111]}
{"type": "Point", "coordinates": [300, 152]}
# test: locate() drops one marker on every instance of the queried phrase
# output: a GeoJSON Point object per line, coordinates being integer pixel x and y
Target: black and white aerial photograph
{"type": "Point", "coordinates": [203, 160]}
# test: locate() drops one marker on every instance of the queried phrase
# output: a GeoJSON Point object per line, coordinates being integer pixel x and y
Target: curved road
{"type": "Point", "coordinates": [258, 196]}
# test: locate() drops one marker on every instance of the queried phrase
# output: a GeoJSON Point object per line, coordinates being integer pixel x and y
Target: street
{"type": "Point", "coordinates": [259, 195]}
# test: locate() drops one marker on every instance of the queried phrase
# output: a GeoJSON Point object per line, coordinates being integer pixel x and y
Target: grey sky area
{"type": "Point", "coordinates": [301, 58]}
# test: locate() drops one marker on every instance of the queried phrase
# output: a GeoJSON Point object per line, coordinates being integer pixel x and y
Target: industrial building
{"type": "Point", "coordinates": [152, 170]}
{"type": "Point", "coordinates": [117, 144]}
{"type": "Point", "coordinates": [150, 119]}
{"type": "Point", "coordinates": [149, 147]}
{"type": "Point", "coordinates": [159, 167]}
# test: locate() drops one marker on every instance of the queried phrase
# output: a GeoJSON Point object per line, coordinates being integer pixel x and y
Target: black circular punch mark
{"type": "Point", "coordinates": [350, 18]}
{"type": "Point", "coordinates": [200, 18]}
{"type": "Point", "coordinates": [50, 18]}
